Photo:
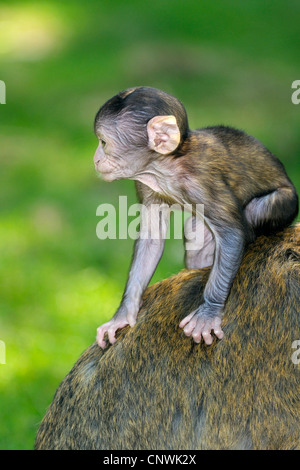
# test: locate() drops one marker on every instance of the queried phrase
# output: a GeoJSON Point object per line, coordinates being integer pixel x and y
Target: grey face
{"type": "Point", "coordinates": [127, 149]}
{"type": "Point", "coordinates": [134, 128]}
{"type": "Point", "coordinates": [123, 148]}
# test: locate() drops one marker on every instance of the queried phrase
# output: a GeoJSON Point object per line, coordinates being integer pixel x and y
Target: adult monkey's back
{"type": "Point", "coordinates": [156, 389]}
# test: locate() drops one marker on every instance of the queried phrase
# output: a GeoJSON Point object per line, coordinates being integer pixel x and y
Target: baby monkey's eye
{"type": "Point", "coordinates": [103, 142]}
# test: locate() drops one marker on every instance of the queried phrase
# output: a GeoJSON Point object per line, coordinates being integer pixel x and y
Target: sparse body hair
{"type": "Point", "coordinates": [144, 136]}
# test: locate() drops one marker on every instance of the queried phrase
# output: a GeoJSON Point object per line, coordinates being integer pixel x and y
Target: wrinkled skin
{"type": "Point", "coordinates": [144, 136]}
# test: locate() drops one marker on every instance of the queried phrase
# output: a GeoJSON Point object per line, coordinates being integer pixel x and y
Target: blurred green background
{"type": "Point", "coordinates": [230, 62]}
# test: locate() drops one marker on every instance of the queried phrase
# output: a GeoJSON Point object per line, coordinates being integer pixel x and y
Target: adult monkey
{"type": "Point", "coordinates": [157, 389]}
{"type": "Point", "coordinates": [144, 135]}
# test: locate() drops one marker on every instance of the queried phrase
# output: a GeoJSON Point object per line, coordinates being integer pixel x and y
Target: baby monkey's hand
{"type": "Point", "coordinates": [125, 315]}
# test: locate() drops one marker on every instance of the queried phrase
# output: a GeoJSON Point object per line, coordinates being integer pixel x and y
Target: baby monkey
{"type": "Point", "coordinates": [144, 136]}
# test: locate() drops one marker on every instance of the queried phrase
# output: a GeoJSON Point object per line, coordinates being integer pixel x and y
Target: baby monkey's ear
{"type": "Point", "coordinates": [163, 134]}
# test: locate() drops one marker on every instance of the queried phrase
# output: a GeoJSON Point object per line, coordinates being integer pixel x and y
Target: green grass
{"type": "Point", "coordinates": [229, 62]}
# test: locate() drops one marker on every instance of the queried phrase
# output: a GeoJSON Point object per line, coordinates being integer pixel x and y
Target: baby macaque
{"type": "Point", "coordinates": [144, 136]}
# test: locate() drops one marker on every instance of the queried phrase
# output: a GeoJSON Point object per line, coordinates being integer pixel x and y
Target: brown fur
{"type": "Point", "coordinates": [242, 187]}
{"type": "Point", "coordinates": [156, 389]}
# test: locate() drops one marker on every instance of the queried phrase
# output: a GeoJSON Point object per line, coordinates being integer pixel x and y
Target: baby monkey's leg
{"type": "Point", "coordinates": [199, 244]}
{"type": "Point", "coordinates": [199, 253]}
{"type": "Point", "coordinates": [273, 211]}
{"type": "Point", "coordinates": [229, 247]}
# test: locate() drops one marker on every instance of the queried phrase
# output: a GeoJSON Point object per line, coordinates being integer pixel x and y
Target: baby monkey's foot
{"type": "Point", "coordinates": [199, 325]}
